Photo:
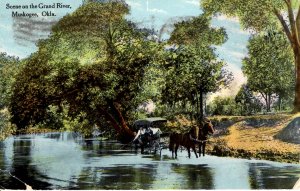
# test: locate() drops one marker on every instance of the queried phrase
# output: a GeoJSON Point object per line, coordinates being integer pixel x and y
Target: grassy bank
{"type": "Point", "coordinates": [253, 137]}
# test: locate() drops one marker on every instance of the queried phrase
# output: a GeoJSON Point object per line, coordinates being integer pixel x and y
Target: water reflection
{"type": "Point", "coordinates": [20, 166]}
{"type": "Point", "coordinates": [118, 177]}
{"type": "Point", "coordinates": [231, 174]}
{"type": "Point", "coordinates": [65, 161]}
{"type": "Point", "coordinates": [195, 176]}
{"type": "Point", "coordinates": [59, 158]}
{"type": "Point", "coordinates": [265, 176]}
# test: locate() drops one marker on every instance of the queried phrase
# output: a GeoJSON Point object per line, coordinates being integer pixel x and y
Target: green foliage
{"type": "Point", "coordinates": [223, 106]}
{"type": "Point", "coordinates": [189, 73]}
{"type": "Point", "coordinates": [269, 66]}
{"type": "Point", "coordinates": [249, 104]}
{"type": "Point", "coordinates": [8, 69]}
{"type": "Point", "coordinates": [193, 69]}
{"type": "Point", "coordinates": [6, 127]}
{"type": "Point", "coordinates": [264, 15]}
{"type": "Point", "coordinates": [91, 69]}
{"type": "Point", "coordinates": [244, 103]}
{"type": "Point", "coordinates": [198, 32]}
{"type": "Point", "coordinates": [256, 15]}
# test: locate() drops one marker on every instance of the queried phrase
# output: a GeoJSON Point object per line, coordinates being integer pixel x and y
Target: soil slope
{"type": "Point", "coordinates": [262, 137]}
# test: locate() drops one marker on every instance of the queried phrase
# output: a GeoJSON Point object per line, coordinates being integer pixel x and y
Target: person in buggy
{"type": "Point", "coordinates": [143, 135]}
{"type": "Point", "coordinates": [147, 134]}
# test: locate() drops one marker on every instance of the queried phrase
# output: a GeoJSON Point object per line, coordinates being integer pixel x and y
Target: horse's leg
{"type": "Point", "coordinates": [142, 148]}
{"type": "Point", "coordinates": [200, 145]}
{"type": "Point", "coordinates": [189, 152]}
{"type": "Point", "coordinates": [194, 149]}
{"type": "Point", "coordinates": [173, 150]}
{"type": "Point", "coordinates": [203, 151]}
{"type": "Point", "coordinates": [176, 148]}
{"type": "Point", "coordinates": [171, 145]}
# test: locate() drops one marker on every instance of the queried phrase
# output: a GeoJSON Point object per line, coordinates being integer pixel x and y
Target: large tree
{"type": "Point", "coordinates": [259, 15]}
{"type": "Point", "coordinates": [190, 76]}
{"type": "Point", "coordinates": [93, 64]}
{"type": "Point", "coordinates": [269, 66]}
{"type": "Point", "coordinates": [193, 67]}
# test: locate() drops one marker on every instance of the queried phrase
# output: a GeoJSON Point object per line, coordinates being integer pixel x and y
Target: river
{"type": "Point", "coordinates": [66, 161]}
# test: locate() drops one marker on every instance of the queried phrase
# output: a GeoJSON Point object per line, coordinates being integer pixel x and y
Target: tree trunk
{"type": "Point", "coordinates": [197, 107]}
{"type": "Point", "coordinates": [292, 31]}
{"type": "Point", "coordinates": [201, 114]}
{"type": "Point", "coordinates": [267, 98]}
{"type": "Point", "coordinates": [269, 103]}
{"type": "Point", "coordinates": [297, 88]}
{"type": "Point", "coordinates": [124, 134]}
{"type": "Point", "coordinates": [279, 103]}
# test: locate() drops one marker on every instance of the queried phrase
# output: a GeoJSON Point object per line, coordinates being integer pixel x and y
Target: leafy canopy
{"type": "Point", "coordinates": [92, 64]}
{"type": "Point", "coordinates": [8, 69]}
{"type": "Point", "coordinates": [269, 66]}
{"type": "Point", "coordinates": [193, 69]}
{"type": "Point", "coordinates": [256, 15]}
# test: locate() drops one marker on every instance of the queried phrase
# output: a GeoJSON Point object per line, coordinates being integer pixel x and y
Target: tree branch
{"type": "Point", "coordinates": [290, 14]}
{"type": "Point", "coordinates": [110, 118]}
{"type": "Point", "coordinates": [284, 25]}
{"type": "Point", "coordinates": [298, 25]}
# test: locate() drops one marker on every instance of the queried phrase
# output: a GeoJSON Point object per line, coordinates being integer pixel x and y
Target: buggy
{"type": "Point", "coordinates": [148, 134]}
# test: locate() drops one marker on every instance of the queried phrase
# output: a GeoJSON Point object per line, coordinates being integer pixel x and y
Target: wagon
{"type": "Point", "coordinates": [148, 134]}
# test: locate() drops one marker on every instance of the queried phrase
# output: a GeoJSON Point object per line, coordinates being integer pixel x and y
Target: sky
{"type": "Point", "coordinates": [18, 35]}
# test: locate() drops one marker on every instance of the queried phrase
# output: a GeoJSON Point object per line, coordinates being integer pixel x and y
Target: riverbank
{"type": "Point", "coordinates": [253, 137]}
{"type": "Point", "coordinates": [36, 130]}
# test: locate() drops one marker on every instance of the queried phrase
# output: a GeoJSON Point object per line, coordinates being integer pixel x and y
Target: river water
{"type": "Point", "coordinates": [66, 161]}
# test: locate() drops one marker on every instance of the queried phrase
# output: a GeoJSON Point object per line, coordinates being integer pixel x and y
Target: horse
{"type": "Point", "coordinates": [205, 129]}
{"type": "Point", "coordinates": [187, 140]}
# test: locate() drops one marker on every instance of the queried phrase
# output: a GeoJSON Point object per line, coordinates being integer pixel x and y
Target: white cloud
{"type": "Point", "coordinates": [238, 31]}
{"type": "Point", "coordinates": [12, 53]}
{"type": "Point", "coordinates": [193, 2]}
{"type": "Point", "coordinates": [237, 53]}
{"type": "Point", "coordinates": [133, 4]}
{"type": "Point", "coordinates": [225, 18]}
{"type": "Point", "coordinates": [159, 11]}
{"type": "Point", "coordinates": [5, 27]}
{"type": "Point", "coordinates": [231, 24]}
{"type": "Point", "coordinates": [234, 86]}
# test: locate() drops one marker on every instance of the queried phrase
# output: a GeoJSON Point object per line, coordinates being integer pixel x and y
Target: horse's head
{"type": "Point", "coordinates": [208, 126]}
{"type": "Point", "coordinates": [194, 132]}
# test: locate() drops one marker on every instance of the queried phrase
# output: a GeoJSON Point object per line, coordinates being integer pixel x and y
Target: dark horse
{"type": "Point", "coordinates": [187, 140]}
{"type": "Point", "coordinates": [205, 129]}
